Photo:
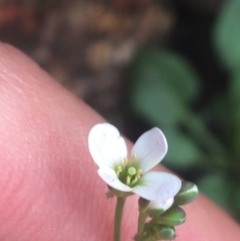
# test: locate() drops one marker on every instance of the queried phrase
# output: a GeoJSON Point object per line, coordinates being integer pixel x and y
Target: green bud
{"type": "Point", "coordinates": [187, 193]}
{"type": "Point", "coordinates": [163, 232]}
{"type": "Point", "coordinates": [172, 217]}
{"type": "Point", "coordinates": [155, 212]}
{"type": "Point", "coordinates": [155, 209]}
{"type": "Point", "coordinates": [150, 239]}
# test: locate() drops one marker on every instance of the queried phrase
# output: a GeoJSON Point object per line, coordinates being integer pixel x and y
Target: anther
{"type": "Point", "coordinates": [134, 181]}
{"type": "Point", "coordinates": [134, 156]}
{"type": "Point", "coordinates": [119, 170]}
{"type": "Point", "coordinates": [139, 174]}
{"type": "Point", "coordinates": [128, 180]}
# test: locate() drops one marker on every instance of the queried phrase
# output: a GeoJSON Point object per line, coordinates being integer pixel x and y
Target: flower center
{"type": "Point", "coordinates": [129, 172]}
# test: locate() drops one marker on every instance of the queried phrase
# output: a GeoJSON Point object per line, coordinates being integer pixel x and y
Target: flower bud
{"type": "Point", "coordinates": [172, 217]}
{"type": "Point", "coordinates": [187, 194]}
{"type": "Point", "coordinates": [156, 208]}
{"type": "Point", "coordinates": [163, 232]}
{"type": "Point", "coordinates": [150, 239]}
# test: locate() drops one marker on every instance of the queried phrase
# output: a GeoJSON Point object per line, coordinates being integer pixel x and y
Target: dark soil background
{"type": "Point", "coordinates": [88, 45]}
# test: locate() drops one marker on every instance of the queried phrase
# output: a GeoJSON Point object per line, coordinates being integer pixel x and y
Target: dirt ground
{"type": "Point", "coordinates": [88, 45]}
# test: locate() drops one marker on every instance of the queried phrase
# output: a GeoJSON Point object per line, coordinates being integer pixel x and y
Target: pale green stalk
{"type": "Point", "coordinates": [118, 218]}
{"type": "Point", "coordinates": [141, 222]}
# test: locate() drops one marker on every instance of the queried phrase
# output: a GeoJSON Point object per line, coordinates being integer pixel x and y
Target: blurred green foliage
{"type": "Point", "coordinates": [165, 88]}
{"type": "Point", "coordinates": [226, 34]}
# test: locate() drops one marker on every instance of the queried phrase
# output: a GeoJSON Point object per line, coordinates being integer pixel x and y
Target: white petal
{"type": "Point", "coordinates": [158, 186]}
{"type": "Point", "coordinates": [110, 177]}
{"type": "Point", "coordinates": [150, 148]}
{"type": "Point", "coordinates": [106, 145]}
{"type": "Point", "coordinates": [161, 205]}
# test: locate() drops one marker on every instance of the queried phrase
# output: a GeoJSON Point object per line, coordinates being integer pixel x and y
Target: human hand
{"type": "Point", "coordinates": [50, 189]}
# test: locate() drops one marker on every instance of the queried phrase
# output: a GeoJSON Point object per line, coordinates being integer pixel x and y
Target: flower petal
{"type": "Point", "coordinates": [110, 177]}
{"type": "Point", "coordinates": [150, 148]}
{"type": "Point", "coordinates": [106, 145]}
{"type": "Point", "coordinates": [158, 186]}
{"type": "Point", "coordinates": [161, 205]}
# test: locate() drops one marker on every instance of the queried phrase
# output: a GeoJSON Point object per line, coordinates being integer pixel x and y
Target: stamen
{"type": "Point", "coordinates": [134, 156]}
{"type": "Point", "coordinates": [132, 171]}
{"type": "Point", "coordinates": [125, 160]}
{"type": "Point", "coordinates": [128, 180]}
{"type": "Point", "coordinates": [134, 181]}
{"type": "Point", "coordinates": [119, 170]}
{"type": "Point", "coordinates": [139, 173]}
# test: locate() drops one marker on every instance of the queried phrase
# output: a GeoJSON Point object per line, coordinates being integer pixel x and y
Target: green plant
{"type": "Point", "coordinates": [165, 87]}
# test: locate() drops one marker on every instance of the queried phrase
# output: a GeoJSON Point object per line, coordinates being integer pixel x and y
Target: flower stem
{"type": "Point", "coordinates": [118, 217]}
{"type": "Point", "coordinates": [141, 222]}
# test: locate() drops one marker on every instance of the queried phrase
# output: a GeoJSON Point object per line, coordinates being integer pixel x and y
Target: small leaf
{"type": "Point", "coordinates": [227, 35]}
{"type": "Point", "coordinates": [236, 206]}
{"type": "Point", "coordinates": [234, 96]}
{"type": "Point", "coordinates": [183, 152]}
{"type": "Point", "coordinates": [163, 83]}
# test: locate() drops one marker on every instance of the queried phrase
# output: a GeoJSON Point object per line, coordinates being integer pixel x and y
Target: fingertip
{"type": "Point", "coordinates": [44, 153]}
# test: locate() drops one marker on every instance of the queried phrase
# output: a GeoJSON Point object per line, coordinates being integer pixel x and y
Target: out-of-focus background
{"type": "Point", "coordinates": [143, 63]}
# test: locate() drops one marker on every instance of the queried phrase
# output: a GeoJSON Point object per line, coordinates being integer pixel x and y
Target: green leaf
{"type": "Point", "coordinates": [183, 152]}
{"type": "Point", "coordinates": [236, 206]}
{"type": "Point", "coordinates": [163, 86]}
{"type": "Point", "coordinates": [234, 96]}
{"type": "Point", "coordinates": [226, 33]}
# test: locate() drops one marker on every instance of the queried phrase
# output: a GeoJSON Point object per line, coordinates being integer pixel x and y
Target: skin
{"type": "Point", "coordinates": [49, 186]}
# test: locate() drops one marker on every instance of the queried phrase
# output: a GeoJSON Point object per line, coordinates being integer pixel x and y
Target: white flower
{"type": "Point", "coordinates": [109, 151]}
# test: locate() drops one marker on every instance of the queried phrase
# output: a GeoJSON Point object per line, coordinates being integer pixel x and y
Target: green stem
{"type": "Point", "coordinates": [141, 223]}
{"type": "Point", "coordinates": [118, 217]}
